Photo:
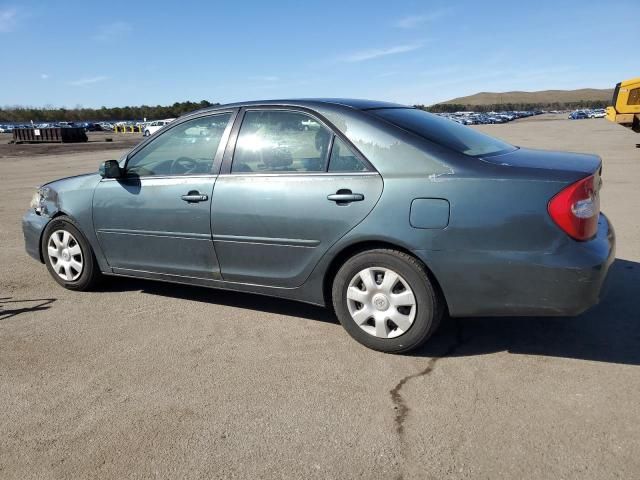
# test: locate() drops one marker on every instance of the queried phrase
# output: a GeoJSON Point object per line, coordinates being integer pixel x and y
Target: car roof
{"type": "Point", "coordinates": [355, 103]}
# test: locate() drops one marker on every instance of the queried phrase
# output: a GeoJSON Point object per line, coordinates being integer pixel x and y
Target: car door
{"type": "Point", "coordinates": [289, 190]}
{"type": "Point", "coordinates": [156, 217]}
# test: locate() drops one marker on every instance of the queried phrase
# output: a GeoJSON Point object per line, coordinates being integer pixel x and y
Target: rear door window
{"type": "Point", "coordinates": [272, 141]}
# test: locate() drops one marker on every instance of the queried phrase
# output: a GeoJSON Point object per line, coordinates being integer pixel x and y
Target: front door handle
{"type": "Point", "coordinates": [194, 197]}
{"type": "Point", "coordinates": [343, 197]}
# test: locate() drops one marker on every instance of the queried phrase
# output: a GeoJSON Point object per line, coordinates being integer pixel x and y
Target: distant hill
{"type": "Point", "coordinates": [544, 97]}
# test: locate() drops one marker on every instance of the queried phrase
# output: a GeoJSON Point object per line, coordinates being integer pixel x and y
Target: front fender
{"type": "Point", "coordinates": [72, 197]}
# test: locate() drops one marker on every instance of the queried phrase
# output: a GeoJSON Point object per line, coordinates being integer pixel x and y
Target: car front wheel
{"type": "Point", "coordinates": [384, 300]}
{"type": "Point", "coordinates": [68, 255]}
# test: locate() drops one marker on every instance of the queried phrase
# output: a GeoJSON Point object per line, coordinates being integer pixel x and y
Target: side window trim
{"type": "Point", "coordinates": [218, 156]}
{"type": "Point", "coordinates": [330, 151]}
{"type": "Point", "coordinates": [237, 122]}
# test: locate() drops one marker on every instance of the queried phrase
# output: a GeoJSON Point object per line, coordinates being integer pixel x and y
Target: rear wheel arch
{"type": "Point", "coordinates": [356, 248]}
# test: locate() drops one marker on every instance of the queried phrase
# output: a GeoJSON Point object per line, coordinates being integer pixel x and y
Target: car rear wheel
{"type": "Point", "coordinates": [68, 255]}
{"type": "Point", "coordinates": [384, 300]}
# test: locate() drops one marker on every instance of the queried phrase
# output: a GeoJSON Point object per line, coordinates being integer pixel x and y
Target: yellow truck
{"type": "Point", "coordinates": [626, 104]}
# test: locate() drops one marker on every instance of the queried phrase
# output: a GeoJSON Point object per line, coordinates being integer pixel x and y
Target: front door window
{"type": "Point", "coordinates": [186, 149]}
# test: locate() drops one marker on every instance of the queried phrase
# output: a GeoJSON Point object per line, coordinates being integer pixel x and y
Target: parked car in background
{"type": "Point", "coordinates": [466, 224]}
{"type": "Point", "coordinates": [597, 113]}
{"type": "Point", "coordinates": [578, 115]}
{"type": "Point", "coordinates": [480, 118]}
{"type": "Point", "coordinates": [156, 125]}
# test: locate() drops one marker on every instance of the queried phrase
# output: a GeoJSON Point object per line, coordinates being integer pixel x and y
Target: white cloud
{"type": "Point", "coordinates": [412, 21]}
{"type": "Point", "coordinates": [370, 54]}
{"type": "Point", "coordinates": [44, 76]}
{"type": "Point", "coordinates": [265, 78]}
{"type": "Point", "coordinates": [7, 19]}
{"type": "Point", "coordinates": [83, 82]}
{"type": "Point", "coordinates": [112, 32]}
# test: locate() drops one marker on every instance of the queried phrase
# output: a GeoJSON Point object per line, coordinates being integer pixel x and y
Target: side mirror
{"type": "Point", "coordinates": [110, 169]}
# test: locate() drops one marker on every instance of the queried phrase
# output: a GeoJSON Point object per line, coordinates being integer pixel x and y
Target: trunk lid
{"type": "Point", "coordinates": [558, 165]}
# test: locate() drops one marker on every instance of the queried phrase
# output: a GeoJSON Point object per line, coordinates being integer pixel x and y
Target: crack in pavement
{"type": "Point", "coordinates": [402, 409]}
{"type": "Point", "coordinates": [400, 404]}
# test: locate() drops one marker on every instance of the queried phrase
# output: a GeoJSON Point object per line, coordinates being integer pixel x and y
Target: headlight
{"type": "Point", "coordinates": [37, 201]}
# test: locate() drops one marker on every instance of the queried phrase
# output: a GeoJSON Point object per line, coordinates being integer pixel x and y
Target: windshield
{"type": "Point", "coordinates": [444, 132]}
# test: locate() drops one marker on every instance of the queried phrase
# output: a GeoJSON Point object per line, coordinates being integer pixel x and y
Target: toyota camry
{"type": "Point", "coordinates": [389, 215]}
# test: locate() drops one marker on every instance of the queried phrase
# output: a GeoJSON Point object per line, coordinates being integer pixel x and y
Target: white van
{"type": "Point", "coordinates": [153, 127]}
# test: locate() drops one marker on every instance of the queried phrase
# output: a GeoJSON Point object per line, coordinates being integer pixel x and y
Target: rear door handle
{"type": "Point", "coordinates": [194, 197]}
{"type": "Point", "coordinates": [342, 197]}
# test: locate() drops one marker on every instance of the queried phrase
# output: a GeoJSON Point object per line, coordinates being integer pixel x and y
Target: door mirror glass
{"type": "Point", "coordinates": [109, 169]}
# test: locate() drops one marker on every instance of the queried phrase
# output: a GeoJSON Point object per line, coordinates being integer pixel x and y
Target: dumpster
{"type": "Point", "coordinates": [127, 129]}
{"type": "Point", "coordinates": [50, 135]}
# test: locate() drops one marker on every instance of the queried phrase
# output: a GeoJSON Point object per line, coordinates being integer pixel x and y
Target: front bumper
{"type": "Point", "coordinates": [32, 228]}
{"type": "Point", "coordinates": [565, 282]}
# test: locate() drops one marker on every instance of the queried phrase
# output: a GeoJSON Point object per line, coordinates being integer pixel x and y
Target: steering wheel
{"type": "Point", "coordinates": [183, 165]}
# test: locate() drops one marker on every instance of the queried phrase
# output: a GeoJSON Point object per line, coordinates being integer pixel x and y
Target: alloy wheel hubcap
{"type": "Point", "coordinates": [381, 302]}
{"type": "Point", "coordinates": [65, 255]}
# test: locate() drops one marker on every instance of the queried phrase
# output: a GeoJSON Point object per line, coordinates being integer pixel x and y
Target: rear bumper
{"type": "Point", "coordinates": [32, 227]}
{"type": "Point", "coordinates": [565, 282]}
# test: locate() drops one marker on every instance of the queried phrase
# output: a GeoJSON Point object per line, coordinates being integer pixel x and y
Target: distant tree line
{"type": "Point", "coordinates": [457, 107]}
{"type": "Point", "coordinates": [20, 114]}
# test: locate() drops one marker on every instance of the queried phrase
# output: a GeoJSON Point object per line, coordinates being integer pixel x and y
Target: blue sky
{"type": "Point", "coordinates": [111, 53]}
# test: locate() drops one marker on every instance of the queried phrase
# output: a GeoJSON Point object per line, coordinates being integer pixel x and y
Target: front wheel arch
{"type": "Point", "coordinates": [90, 274]}
{"type": "Point", "coordinates": [57, 214]}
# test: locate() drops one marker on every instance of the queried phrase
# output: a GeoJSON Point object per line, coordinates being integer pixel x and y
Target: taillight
{"type": "Point", "coordinates": [576, 208]}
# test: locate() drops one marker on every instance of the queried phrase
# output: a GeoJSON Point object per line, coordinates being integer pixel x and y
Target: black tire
{"type": "Point", "coordinates": [429, 308]}
{"type": "Point", "coordinates": [90, 273]}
